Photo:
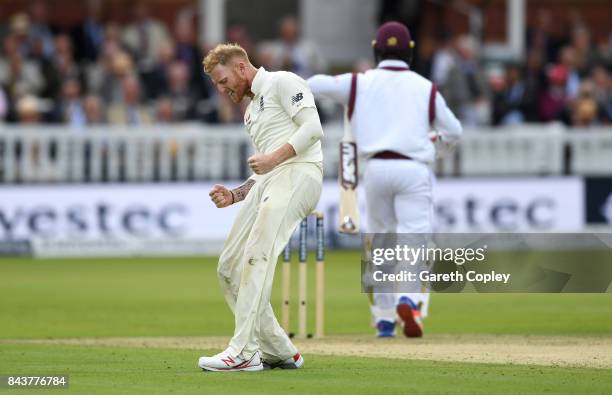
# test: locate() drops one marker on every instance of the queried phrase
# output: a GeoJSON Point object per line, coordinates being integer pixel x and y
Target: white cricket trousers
{"type": "Point", "coordinates": [399, 200]}
{"type": "Point", "coordinates": [273, 208]}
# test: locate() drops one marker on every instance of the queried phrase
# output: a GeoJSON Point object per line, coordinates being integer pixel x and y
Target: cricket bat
{"type": "Point", "coordinates": [348, 178]}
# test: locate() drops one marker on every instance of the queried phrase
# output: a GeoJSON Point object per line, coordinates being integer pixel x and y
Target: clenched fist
{"type": "Point", "coordinates": [261, 163]}
{"type": "Point", "coordinates": [221, 196]}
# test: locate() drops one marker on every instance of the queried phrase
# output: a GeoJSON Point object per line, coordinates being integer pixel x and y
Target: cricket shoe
{"type": "Point", "coordinates": [225, 362]}
{"type": "Point", "coordinates": [294, 362]}
{"type": "Point", "coordinates": [385, 328]}
{"type": "Point", "coordinates": [410, 317]}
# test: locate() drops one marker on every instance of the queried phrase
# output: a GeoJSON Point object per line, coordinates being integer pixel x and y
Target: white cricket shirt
{"type": "Point", "coordinates": [278, 97]}
{"type": "Point", "coordinates": [391, 110]}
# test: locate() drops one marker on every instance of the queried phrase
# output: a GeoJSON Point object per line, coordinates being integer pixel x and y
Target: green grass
{"type": "Point", "coordinates": [181, 297]}
{"type": "Point", "coordinates": [153, 371]}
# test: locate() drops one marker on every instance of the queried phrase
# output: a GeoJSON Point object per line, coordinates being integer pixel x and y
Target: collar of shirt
{"type": "Point", "coordinates": [393, 63]}
{"type": "Point", "coordinates": [258, 82]}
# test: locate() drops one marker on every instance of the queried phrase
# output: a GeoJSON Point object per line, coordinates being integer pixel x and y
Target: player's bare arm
{"type": "Point", "coordinates": [223, 197]}
{"type": "Point", "coordinates": [240, 193]}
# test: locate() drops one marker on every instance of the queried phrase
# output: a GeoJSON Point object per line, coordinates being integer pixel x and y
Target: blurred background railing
{"type": "Point", "coordinates": [186, 153]}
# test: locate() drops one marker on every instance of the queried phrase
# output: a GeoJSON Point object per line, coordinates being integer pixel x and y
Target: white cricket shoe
{"type": "Point", "coordinates": [225, 362]}
{"type": "Point", "coordinates": [294, 362]}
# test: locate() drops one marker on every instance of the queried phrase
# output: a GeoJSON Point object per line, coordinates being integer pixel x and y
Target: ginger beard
{"type": "Point", "coordinates": [231, 80]}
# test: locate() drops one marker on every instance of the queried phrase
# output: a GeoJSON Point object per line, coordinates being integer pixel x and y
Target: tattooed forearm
{"type": "Point", "coordinates": [239, 193]}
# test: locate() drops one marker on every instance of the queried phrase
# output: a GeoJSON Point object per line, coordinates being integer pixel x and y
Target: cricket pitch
{"type": "Point", "coordinates": [566, 351]}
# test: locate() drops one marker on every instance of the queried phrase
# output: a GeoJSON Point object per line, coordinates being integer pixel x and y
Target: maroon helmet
{"type": "Point", "coordinates": [393, 40]}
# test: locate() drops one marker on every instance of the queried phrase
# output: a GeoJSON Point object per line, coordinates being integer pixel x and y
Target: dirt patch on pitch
{"type": "Point", "coordinates": [595, 352]}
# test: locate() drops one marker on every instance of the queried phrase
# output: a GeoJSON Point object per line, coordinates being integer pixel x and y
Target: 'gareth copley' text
{"type": "Point", "coordinates": [456, 276]}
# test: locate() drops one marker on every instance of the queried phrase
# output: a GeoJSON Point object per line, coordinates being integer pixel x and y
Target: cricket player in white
{"type": "Point", "coordinates": [284, 125]}
{"type": "Point", "coordinates": [393, 111]}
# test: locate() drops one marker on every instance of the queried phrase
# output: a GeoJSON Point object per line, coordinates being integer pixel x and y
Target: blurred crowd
{"type": "Point", "coordinates": [565, 76]}
{"type": "Point", "coordinates": [143, 72]}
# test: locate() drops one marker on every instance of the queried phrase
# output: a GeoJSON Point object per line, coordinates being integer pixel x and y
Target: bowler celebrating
{"type": "Point", "coordinates": [283, 123]}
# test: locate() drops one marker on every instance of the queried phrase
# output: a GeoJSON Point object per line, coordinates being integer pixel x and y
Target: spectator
{"type": "Point", "coordinates": [99, 75]}
{"type": "Point", "coordinates": [94, 110]}
{"type": "Point", "coordinates": [568, 58]}
{"type": "Point", "coordinates": [543, 38]}
{"type": "Point", "coordinates": [112, 36]}
{"type": "Point", "coordinates": [605, 51]}
{"type": "Point", "coordinates": [187, 51]}
{"type": "Point", "coordinates": [157, 82]}
{"type": "Point", "coordinates": [463, 84]}
{"type": "Point", "coordinates": [603, 91]}
{"type": "Point", "coordinates": [585, 110]}
{"type": "Point", "coordinates": [40, 29]}
{"type": "Point", "coordinates": [118, 66]}
{"type": "Point", "coordinates": [509, 98]}
{"type": "Point", "coordinates": [165, 111]}
{"type": "Point", "coordinates": [63, 60]}
{"type": "Point", "coordinates": [4, 105]}
{"type": "Point", "coordinates": [19, 27]}
{"type": "Point", "coordinates": [535, 83]}
{"type": "Point", "coordinates": [89, 35]}
{"type": "Point", "coordinates": [554, 99]}
{"type": "Point", "coordinates": [443, 59]}
{"type": "Point", "coordinates": [51, 80]}
{"type": "Point", "coordinates": [183, 98]}
{"type": "Point", "coordinates": [28, 110]}
{"type": "Point", "coordinates": [70, 108]}
{"type": "Point", "coordinates": [20, 76]}
{"type": "Point", "coordinates": [586, 55]}
{"type": "Point", "coordinates": [292, 53]}
{"type": "Point", "coordinates": [265, 57]}
{"type": "Point", "coordinates": [144, 38]}
{"type": "Point", "coordinates": [129, 111]}
{"type": "Point", "coordinates": [423, 63]}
